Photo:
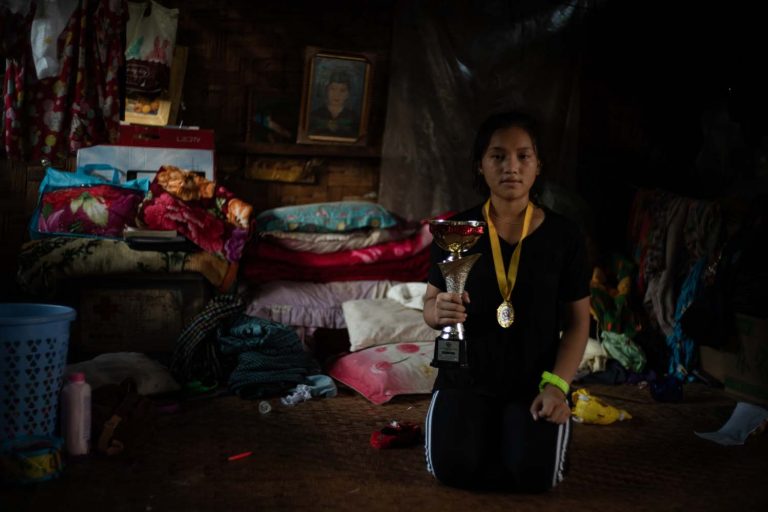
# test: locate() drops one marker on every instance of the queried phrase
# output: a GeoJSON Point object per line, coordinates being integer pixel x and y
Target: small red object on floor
{"type": "Point", "coordinates": [239, 456]}
{"type": "Point", "coordinates": [396, 435]}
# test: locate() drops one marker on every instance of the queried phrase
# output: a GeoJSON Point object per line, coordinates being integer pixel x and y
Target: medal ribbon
{"type": "Point", "coordinates": [506, 283]}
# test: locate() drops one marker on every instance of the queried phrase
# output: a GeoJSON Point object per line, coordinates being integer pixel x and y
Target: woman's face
{"type": "Point", "coordinates": [337, 94]}
{"type": "Point", "coordinates": [510, 163]}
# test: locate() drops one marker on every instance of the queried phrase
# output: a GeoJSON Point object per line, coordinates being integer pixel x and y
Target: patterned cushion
{"type": "Point", "coordinates": [95, 210]}
{"type": "Point", "coordinates": [373, 322]}
{"type": "Point", "coordinates": [381, 373]}
{"type": "Point", "coordinates": [332, 217]}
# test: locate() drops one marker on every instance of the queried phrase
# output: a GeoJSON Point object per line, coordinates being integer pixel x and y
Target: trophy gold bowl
{"type": "Point", "coordinates": [456, 237]}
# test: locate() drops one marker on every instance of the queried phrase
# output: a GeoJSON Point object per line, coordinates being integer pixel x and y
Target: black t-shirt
{"type": "Point", "coordinates": [553, 270]}
{"type": "Point", "coordinates": [322, 122]}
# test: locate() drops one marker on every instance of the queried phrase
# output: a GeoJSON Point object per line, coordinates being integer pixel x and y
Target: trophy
{"type": "Point", "coordinates": [456, 237]}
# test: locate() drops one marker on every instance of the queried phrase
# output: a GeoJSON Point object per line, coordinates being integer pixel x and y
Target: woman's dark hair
{"type": "Point", "coordinates": [339, 77]}
{"type": "Point", "coordinates": [500, 121]}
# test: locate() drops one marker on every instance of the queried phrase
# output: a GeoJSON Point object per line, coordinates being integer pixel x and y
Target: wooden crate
{"type": "Point", "coordinates": [133, 313]}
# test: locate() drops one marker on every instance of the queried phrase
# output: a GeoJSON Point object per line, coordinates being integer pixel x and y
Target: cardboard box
{"type": "Point", "coordinates": [745, 370]}
{"type": "Point", "coordinates": [144, 149]}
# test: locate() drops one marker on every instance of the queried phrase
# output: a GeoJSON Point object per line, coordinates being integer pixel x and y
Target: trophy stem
{"type": "Point", "coordinates": [451, 345]}
{"type": "Point", "coordinates": [456, 272]}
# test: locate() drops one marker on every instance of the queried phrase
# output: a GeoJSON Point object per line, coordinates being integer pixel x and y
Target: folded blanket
{"type": "Point", "coordinates": [324, 243]}
{"type": "Point", "coordinates": [205, 213]}
{"type": "Point", "coordinates": [414, 268]}
{"type": "Point", "coordinates": [388, 251]}
{"type": "Point", "coordinates": [270, 357]}
{"type": "Point", "coordinates": [43, 263]}
{"type": "Point", "coordinates": [195, 355]}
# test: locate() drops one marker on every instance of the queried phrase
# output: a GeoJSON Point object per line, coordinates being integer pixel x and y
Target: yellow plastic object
{"type": "Point", "coordinates": [30, 459]}
{"type": "Point", "coordinates": [590, 409]}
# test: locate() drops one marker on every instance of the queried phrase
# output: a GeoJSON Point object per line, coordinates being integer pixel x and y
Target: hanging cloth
{"type": "Point", "coordinates": [80, 105]}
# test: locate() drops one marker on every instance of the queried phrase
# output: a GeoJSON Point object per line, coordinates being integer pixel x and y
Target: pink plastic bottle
{"type": "Point", "coordinates": [76, 414]}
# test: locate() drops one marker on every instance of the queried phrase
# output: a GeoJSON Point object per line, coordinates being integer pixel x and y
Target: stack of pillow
{"type": "Point", "coordinates": [349, 265]}
{"type": "Point", "coordinates": [391, 346]}
{"type": "Point", "coordinates": [337, 241]}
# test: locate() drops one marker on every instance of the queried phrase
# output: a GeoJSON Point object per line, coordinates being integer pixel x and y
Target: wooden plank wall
{"type": "Point", "coordinates": [18, 192]}
{"type": "Point", "coordinates": [257, 48]}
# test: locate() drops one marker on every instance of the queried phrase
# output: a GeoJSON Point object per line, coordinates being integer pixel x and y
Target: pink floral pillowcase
{"type": "Point", "coordinates": [383, 372]}
{"type": "Point", "coordinates": [95, 210]}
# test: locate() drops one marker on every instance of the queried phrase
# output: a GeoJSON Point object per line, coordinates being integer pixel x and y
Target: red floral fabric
{"type": "Point", "coordinates": [215, 220]}
{"type": "Point", "coordinates": [54, 117]}
{"type": "Point", "coordinates": [407, 259]}
{"type": "Point", "coordinates": [99, 210]}
{"type": "Point", "coordinates": [407, 269]}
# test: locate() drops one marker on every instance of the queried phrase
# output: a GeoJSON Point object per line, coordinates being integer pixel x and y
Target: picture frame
{"type": "Point", "coordinates": [336, 97]}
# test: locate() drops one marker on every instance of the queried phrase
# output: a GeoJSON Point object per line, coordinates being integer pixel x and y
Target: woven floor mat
{"type": "Point", "coordinates": [316, 456]}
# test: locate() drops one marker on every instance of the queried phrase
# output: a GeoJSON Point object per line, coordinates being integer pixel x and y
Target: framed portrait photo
{"type": "Point", "coordinates": [336, 98]}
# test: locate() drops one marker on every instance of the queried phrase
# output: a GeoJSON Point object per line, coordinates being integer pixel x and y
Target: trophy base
{"type": "Point", "coordinates": [450, 353]}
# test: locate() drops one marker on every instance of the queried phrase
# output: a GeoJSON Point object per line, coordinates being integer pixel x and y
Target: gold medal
{"type": "Point", "coordinates": [505, 314]}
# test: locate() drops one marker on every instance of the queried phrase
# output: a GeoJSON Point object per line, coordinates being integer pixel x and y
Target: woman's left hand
{"type": "Point", "coordinates": [551, 405]}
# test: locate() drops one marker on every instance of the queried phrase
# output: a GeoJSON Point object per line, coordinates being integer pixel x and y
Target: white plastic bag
{"type": "Point", "coordinates": [150, 41]}
{"type": "Point", "coordinates": [51, 17]}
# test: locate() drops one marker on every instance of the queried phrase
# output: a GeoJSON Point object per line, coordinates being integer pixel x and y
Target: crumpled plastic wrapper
{"type": "Point", "coordinates": [590, 409]}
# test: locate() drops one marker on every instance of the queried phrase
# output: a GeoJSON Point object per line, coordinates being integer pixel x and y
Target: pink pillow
{"type": "Point", "coordinates": [380, 373]}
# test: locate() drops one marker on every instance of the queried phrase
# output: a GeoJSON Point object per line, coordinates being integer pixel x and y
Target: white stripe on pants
{"type": "Point", "coordinates": [428, 434]}
{"type": "Point", "coordinates": [563, 432]}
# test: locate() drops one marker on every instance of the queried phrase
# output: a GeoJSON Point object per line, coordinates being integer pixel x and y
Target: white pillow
{"type": "Point", "coordinates": [372, 322]}
{"type": "Point", "coordinates": [150, 376]}
{"type": "Point", "coordinates": [410, 295]}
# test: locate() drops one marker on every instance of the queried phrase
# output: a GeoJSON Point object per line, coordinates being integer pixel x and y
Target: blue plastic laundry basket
{"type": "Point", "coordinates": [34, 339]}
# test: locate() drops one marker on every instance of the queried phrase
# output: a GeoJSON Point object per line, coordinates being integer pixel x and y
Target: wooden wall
{"type": "Point", "coordinates": [256, 50]}
{"type": "Point", "coordinates": [18, 191]}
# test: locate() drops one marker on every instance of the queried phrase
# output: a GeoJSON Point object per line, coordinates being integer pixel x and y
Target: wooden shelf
{"type": "Point", "coordinates": [266, 148]}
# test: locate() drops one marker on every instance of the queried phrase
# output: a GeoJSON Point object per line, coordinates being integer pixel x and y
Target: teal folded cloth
{"type": "Point", "coordinates": [624, 350]}
{"type": "Point", "coordinates": [270, 357]}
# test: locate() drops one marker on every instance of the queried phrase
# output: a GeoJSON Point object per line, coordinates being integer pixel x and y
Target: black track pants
{"type": "Point", "coordinates": [475, 441]}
